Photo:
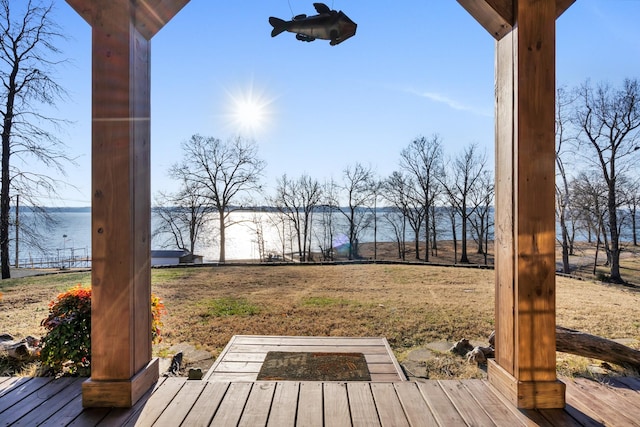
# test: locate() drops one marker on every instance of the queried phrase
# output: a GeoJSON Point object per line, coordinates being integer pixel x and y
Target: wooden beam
{"type": "Point", "coordinates": [148, 16]}
{"type": "Point", "coordinates": [497, 16]}
{"type": "Point", "coordinates": [562, 6]}
{"type": "Point", "coordinates": [121, 366]}
{"type": "Point", "coordinates": [152, 15]}
{"type": "Point", "coordinates": [525, 364]}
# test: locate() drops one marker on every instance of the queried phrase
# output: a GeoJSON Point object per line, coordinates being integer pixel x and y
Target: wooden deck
{"type": "Point", "coordinates": [177, 401]}
{"type": "Point", "coordinates": [229, 396]}
{"type": "Point", "coordinates": [242, 358]}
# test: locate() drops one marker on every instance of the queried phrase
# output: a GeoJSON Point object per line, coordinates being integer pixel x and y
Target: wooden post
{"type": "Point", "coordinates": [525, 365]}
{"type": "Point", "coordinates": [122, 369]}
{"type": "Point", "coordinates": [524, 369]}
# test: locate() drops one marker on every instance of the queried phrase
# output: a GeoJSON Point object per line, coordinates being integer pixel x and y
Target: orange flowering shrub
{"type": "Point", "coordinates": [157, 311]}
{"type": "Point", "coordinates": [68, 342]}
{"type": "Point", "coordinates": [66, 349]}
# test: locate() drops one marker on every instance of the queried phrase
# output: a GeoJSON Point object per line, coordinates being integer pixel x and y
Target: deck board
{"type": "Point", "coordinates": [206, 405]}
{"type": "Point", "coordinates": [163, 396]}
{"type": "Point", "coordinates": [388, 405]}
{"type": "Point", "coordinates": [256, 412]}
{"type": "Point", "coordinates": [465, 403]}
{"type": "Point", "coordinates": [51, 404]}
{"type": "Point", "coordinates": [180, 406]}
{"type": "Point", "coordinates": [362, 404]}
{"type": "Point", "coordinates": [230, 395]}
{"type": "Point", "coordinates": [443, 409]}
{"type": "Point", "coordinates": [416, 409]}
{"type": "Point", "coordinates": [336, 405]}
{"type": "Point", "coordinates": [243, 356]}
{"type": "Point", "coordinates": [310, 393]}
{"type": "Point", "coordinates": [285, 405]}
{"type": "Point", "coordinates": [178, 401]}
{"type": "Point", "coordinates": [495, 409]}
{"type": "Point", "coordinates": [231, 408]}
{"type": "Point", "coordinates": [600, 406]}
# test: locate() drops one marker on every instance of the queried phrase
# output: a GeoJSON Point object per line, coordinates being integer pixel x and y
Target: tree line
{"type": "Point", "coordinates": [217, 177]}
{"type": "Point", "coordinates": [598, 180]}
{"type": "Point", "coordinates": [597, 183]}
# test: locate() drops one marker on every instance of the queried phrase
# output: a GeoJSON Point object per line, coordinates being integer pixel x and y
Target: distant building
{"type": "Point", "coordinates": [164, 257]}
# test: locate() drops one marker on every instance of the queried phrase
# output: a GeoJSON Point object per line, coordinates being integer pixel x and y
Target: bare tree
{"type": "Point", "coordinates": [459, 184]}
{"type": "Point", "coordinates": [27, 62]}
{"type": "Point", "coordinates": [228, 173]}
{"type": "Point", "coordinates": [329, 205]}
{"type": "Point", "coordinates": [357, 186]}
{"type": "Point", "coordinates": [564, 100]}
{"type": "Point", "coordinates": [609, 120]}
{"type": "Point", "coordinates": [398, 223]}
{"type": "Point", "coordinates": [589, 198]}
{"type": "Point", "coordinates": [482, 198]}
{"type": "Point", "coordinates": [184, 214]}
{"type": "Point", "coordinates": [400, 190]}
{"type": "Point", "coordinates": [376, 186]}
{"type": "Point", "coordinates": [297, 200]}
{"type": "Point", "coordinates": [632, 198]}
{"type": "Point", "coordinates": [423, 160]}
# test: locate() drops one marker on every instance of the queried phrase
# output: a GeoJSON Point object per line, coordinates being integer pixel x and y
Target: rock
{"type": "Point", "coordinates": [462, 347]}
{"type": "Point", "coordinates": [479, 355]}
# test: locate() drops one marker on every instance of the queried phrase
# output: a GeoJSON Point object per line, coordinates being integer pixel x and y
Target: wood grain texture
{"type": "Point", "coordinates": [121, 187]}
{"type": "Point", "coordinates": [149, 16]}
{"type": "Point", "coordinates": [505, 203]}
{"type": "Point", "coordinates": [535, 192]}
{"type": "Point", "coordinates": [525, 205]}
{"type": "Point", "coordinates": [497, 16]}
{"type": "Point", "coordinates": [284, 404]}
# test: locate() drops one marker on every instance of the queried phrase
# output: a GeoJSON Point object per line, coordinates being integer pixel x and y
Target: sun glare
{"type": "Point", "coordinates": [249, 111]}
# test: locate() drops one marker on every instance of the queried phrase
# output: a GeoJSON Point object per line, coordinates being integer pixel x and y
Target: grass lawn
{"type": "Point", "coordinates": [410, 305]}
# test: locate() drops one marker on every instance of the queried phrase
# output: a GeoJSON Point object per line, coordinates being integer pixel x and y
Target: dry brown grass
{"type": "Point", "coordinates": [410, 305]}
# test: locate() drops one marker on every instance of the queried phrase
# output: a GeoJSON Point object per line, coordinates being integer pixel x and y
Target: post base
{"type": "Point", "coordinates": [120, 394]}
{"type": "Point", "coordinates": [527, 394]}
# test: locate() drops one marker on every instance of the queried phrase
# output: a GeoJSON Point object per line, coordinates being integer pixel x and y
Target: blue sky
{"type": "Point", "coordinates": [413, 68]}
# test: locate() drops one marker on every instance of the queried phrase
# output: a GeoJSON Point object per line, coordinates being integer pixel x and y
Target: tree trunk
{"type": "Point", "coordinates": [464, 259]}
{"type": "Point", "coordinates": [427, 238]}
{"type": "Point", "coordinates": [222, 257]}
{"type": "Point", "coordinates": [6, 181]}
{"type": "Point", "coordinates": [582, 344]}
{"type": "Point", "coordinates": [615, 237]}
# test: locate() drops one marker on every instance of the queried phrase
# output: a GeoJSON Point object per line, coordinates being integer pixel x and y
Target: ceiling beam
{"type": "Point", "coordinates": [152, 15]}
{"type": "Point", "coordinates": [496, 16]}
{"type": "Point", "coordinates": [149, 16]}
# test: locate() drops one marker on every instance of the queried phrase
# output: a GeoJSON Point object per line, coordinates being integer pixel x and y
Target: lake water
{"type": "Point", "coordinates": [71, 236]}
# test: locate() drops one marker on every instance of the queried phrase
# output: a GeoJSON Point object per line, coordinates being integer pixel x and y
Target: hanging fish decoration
{"type": "Point", "coordinates": [326, 25]}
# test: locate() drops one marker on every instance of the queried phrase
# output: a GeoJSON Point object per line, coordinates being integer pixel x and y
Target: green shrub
{"type": "Point", "coordinates": [66, 348]}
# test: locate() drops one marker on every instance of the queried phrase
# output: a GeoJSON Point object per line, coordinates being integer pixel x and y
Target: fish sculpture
{"type": "Point", "coordinates": [326, 25]}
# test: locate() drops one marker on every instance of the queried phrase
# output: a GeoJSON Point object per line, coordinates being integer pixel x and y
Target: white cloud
{"type": "Point", "coordinates": [456, 105]}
